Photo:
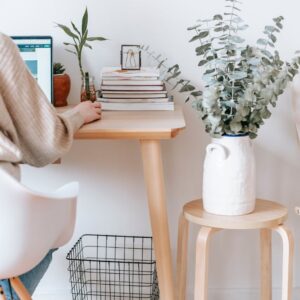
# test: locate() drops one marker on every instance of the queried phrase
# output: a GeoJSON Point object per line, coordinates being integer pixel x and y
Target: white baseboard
{"type": "Point", "coordinates": [214, 294]}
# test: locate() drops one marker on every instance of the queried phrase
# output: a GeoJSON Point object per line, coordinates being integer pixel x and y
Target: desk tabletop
{"type": "Point", "coordinates": [133, 125]}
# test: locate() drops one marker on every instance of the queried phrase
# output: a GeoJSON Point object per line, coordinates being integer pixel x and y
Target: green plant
{"type": "Point", "coordinates": [172, 75]}
{"type": "Point", "coordinates": [58, 68]}
{"type": "Point", "coordinates": [80, 39]}
{"type": "Point", "coordinates": [240, 81]}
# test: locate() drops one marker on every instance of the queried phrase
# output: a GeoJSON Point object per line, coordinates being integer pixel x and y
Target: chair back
{"type": "Point", "coordinates": [32, 223]}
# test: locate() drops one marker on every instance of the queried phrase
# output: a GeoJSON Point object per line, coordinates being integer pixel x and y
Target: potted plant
{"type": "Point", "coordinates": [61, 85]}
{"type": "Point", "coordinates": [80, 40]}
{"type": "Point", "coordinates": [241, 82]}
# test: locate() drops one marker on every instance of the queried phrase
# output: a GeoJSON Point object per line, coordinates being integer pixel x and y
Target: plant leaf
{"type": "Point", "coordinates": [84, 22]}
{"type": "Point", "coordinates": [262, 42]}
{"type": "Point", "coordinates": [174, 75]}
{"type": "Point", "coordinates": [218, 17]}
{"type": "Point", "coordinates": [187, 88]}
{"type": "Point", "coordinates": [69, 44]}
{"type": "Point", "coordinates": [96, 38]}
{"type": "Point", "coordinates": [196, 94]}
{"type": "Point", "coordinates": [75, 28]}
{"type": "Point", "coordinates": [161, 63]}
{"type": "Point", "coordinates": [87, 45]}
{"type": "Point", "coordinates": [203, 49]}
{"type": "Point", "coordinates": [71, 51]}
{"type": "Point", "coordinates": [199, 36]}
{"type": "Point", "coordinates": [67, 30]}
{"type": "Point", "coordinates": [202, 63]}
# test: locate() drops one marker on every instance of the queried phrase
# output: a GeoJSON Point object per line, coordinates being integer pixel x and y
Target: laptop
{"type": "Point", "coordinates": [36, 51]}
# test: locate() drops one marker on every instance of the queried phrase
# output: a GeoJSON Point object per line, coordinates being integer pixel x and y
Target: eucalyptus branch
{"type": "Point", "coordinates": [240, 81]}
{"type": "Point", "coordinates": [171, 76]}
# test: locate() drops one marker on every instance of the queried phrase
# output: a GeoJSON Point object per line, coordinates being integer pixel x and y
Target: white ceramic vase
{"type": "Point", "coordinates": [229, 176]}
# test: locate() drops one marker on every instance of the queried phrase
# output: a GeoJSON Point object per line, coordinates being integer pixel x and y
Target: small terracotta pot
{"type": "Point", "coordinates": [61, 89]}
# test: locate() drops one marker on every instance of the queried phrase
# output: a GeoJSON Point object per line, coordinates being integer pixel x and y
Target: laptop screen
{"type": "Point", "coordinates": [36, 51]}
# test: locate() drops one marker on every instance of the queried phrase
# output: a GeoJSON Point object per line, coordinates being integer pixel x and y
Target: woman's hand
{"type": "Point", "coordinates": [90, 111]}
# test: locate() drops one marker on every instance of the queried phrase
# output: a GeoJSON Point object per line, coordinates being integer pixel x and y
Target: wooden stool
{"type": "Point", "coordinates": [267, 216]}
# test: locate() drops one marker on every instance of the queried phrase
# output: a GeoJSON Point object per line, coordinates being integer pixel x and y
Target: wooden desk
{"type": "Point", "coordinates": [149, 127]}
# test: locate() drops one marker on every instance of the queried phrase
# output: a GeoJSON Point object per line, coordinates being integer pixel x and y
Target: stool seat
{"type": "Point", "coordinates": [267, 214]}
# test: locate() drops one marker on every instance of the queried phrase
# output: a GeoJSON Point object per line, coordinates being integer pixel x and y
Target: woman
{"type": "Point", "coordinates": [31, 131]}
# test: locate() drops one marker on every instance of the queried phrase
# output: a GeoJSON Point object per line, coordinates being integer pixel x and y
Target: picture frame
{"type": "Point", "coordinates": [131, 57]}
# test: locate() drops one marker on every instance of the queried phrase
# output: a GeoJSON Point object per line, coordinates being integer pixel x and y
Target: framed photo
{"type": "Point", "coordinates": [131, 57]}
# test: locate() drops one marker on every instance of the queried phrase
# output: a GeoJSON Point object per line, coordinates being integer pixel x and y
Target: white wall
{"type": "Point", "coordinates": [112, 196]}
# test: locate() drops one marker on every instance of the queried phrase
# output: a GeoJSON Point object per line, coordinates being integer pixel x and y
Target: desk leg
{"type": "Point", "coordinates": [153, 173]}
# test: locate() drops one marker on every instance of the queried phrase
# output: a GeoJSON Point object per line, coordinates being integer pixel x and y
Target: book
{"type": "Point", "coordinates": [135, 92]}
{"type": "Point", "coordinates": [117, 72]}
{"type": "Point", "coordinates": [132, 87]}
{"type": "Point", "coordinates": [140, 95]}
{"type": "Point", "coordinates": [137, 106]}
{"type": "Point", "coordinates": [139, 78]}
{"type": "Point", "coordinates": [131, 82]}
{"type": "Point", "coordinates": [133, 100]}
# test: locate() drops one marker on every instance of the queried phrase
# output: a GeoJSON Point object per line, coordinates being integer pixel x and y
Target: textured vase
{"type": "Point", "coordinates": [61, 89]}
{"type": "Point", "coordinates": [229, 176]}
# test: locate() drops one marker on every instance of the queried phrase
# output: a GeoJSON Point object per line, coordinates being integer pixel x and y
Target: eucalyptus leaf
{"type": "Point", "coordinates": [217, 17]}
{"type": "Point", "coordinates": [174, 75]}
{"type": "Point", "coordinates": [187, 88]}
{"type": "Point", "coordinates": [161, 63]}
{"type": "Point", "coordinates": [200, 36]}
{"type": "Point", "coordinates": [262, 42]}
{"type": "Point", "coordinates": [203, 49]}
{"type": "Point", "coordinates": [237, 75]}
{"type": "Point", "coordinates": [273, 38]}
{"type": "Point", "coordinates": [197, 93]}
{"type": "Point", "coordinates": [236, 39]}
{"type": "Point", "coordinates": [202, 63]}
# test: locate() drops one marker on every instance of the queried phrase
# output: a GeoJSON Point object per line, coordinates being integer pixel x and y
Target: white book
{"type": "Point", "coordinates": [117, 72]}
{"type": "Point", "coordinates": [134, 96]}
{"type": "Point", "coordinates": [132, 100]}
{"type": "Point", "coordinates": [135, 92]}
{"type": "Point", "coordinates": [132, 82]}
{"type": "Point", "coordinates": [130, 78]}
{"type": "Point", "coordinates": [137, 106]}
{"type": "Point", "coordinates": [132, 88]}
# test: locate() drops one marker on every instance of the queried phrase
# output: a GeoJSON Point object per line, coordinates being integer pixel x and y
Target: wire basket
{"type": "Point", "coordinates": [113, 267]}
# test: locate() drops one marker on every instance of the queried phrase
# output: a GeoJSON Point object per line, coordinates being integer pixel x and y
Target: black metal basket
{"type": "Point", "coordinates": [113, 267]}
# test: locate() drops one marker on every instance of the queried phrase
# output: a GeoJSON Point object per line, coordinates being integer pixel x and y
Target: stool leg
{"type": "Point", "coordinates": [201, 273]}
{"type": "Point", "coordinates": [182, 247]}
{"type": "Point", "coordinates": [287, 264]}
{"type": "Point", "coordinates": [19, 288]}
{"type": "Point", "coordinates": [266, 263]}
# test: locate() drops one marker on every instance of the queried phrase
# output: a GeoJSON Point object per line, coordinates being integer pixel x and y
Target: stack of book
{"type": "Point", "coordinates": [133, 90]}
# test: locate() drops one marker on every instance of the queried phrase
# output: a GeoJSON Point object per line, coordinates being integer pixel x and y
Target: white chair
{"type": "Point", "coordinates": [31, 224]}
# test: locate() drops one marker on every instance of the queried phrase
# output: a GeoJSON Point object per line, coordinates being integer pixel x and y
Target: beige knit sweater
{"type": "Point", "coordinates": [31, 131]}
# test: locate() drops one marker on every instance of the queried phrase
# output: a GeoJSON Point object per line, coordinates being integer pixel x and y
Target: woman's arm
{"type": "Point", "coordinates": [40, 133]}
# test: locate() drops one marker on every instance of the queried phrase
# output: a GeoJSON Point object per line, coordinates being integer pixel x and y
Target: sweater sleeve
{"type": "Point", "coordinates": [42, 135]}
